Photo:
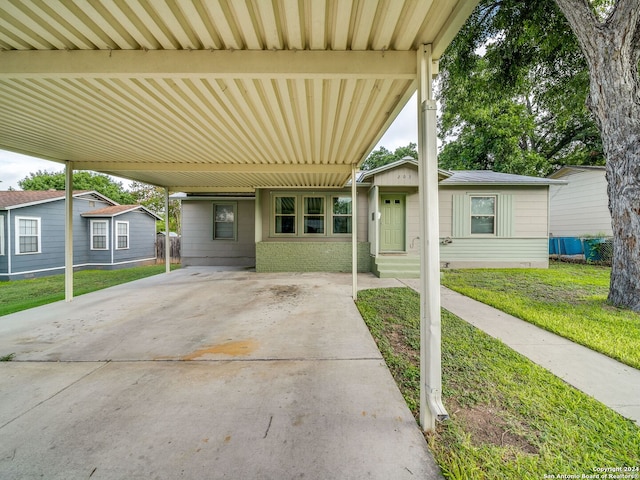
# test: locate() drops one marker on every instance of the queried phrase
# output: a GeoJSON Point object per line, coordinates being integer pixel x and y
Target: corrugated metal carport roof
{"type": "Point", "coordinates": [212, 95]}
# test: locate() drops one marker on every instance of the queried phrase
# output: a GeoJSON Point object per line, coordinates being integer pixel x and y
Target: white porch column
{"type": "Point", "coordinates": [431, 407]}
{"type": "Point", "coordinates": [354, 234]}
{"type": "Point", "coordinates": [68, 232]}
{"type": "Point", "coordinates": [167, 239]}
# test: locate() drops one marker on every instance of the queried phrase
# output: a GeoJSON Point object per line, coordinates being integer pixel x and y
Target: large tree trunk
{"type": "Point", "coordinates": [612, 50]}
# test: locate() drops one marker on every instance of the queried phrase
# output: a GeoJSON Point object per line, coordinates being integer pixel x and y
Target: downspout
{"type": "Point", "coordinates": [354, 235]}
{"type": "Point", "coordinates": [167, 239]}
{"type": "Point", "coordinates": [68, 233]}
{"type": "Point", "coordinates": [431, 407]}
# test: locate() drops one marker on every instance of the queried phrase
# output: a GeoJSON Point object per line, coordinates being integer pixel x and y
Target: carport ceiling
{"type": "Point", "coordinates": [212, 95]}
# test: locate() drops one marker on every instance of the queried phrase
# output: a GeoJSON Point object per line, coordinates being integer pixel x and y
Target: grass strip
{"type": "Point", "coordinates": [567, 299]}
{"type": "Point", "coordinates": [510, 418]}
{"type": "Point", "coordinates": [17, 295]}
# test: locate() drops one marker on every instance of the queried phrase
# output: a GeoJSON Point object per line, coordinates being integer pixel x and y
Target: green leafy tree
{"type": "Point", "coordinates": [382, 156]}
{"type": "Point", "coordinates": [513, 90]}
{"type": "Point", "coordinates": [83, 180]}
{"type": "Point", "coordinates": [153, 198]}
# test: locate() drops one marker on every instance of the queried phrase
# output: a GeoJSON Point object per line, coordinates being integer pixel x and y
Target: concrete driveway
{"type": "Point", "coordinates": [204, 374]}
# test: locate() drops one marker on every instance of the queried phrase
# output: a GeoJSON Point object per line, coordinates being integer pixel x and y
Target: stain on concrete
{"type": "Point", "coordinates": [234, 349]}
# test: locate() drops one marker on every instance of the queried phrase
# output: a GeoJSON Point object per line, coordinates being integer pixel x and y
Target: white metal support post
{"type": "Point", "coordinates": [167, 239]}
{"type": "Point", "coordinates": [68, 232]}
{"type": "Point", "coordinates": [431, 407]}
{"type": "Point", "coordinates": [354, 235]}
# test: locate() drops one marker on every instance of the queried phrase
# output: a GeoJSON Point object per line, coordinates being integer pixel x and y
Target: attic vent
{"type": "Point", "coordinates": [92, 203]}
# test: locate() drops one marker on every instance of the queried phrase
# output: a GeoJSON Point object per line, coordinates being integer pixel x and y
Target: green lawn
{"type": "Point", "coordinates": [509, 417]}
{"type": "Point", "coordinates": [20, 295]}
{"type": "Point", "coordinates": [567, 299]}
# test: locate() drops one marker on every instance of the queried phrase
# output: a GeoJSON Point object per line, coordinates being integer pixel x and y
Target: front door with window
{"type": "Point", "coordinates": [392, 224]}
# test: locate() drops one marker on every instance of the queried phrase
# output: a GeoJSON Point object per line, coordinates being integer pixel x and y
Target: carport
{"type": "Point", "coordinates": [229, 96]}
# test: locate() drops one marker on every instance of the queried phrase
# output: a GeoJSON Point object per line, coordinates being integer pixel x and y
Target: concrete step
{"type": "Point", "coordinates": [397, 266]}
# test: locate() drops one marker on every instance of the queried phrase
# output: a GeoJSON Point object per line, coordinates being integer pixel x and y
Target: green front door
{"type": "Point", "coordinates": [392, 223]}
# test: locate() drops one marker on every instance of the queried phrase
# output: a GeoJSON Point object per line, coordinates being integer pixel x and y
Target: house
{"type": "Point", "coordinates": [582, 206]}
{"type": "Point", "coordinates": [487, 219]}
{"type": "Point", "coordinates": [105, 235]}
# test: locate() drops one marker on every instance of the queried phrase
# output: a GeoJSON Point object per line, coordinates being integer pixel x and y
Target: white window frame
{"type": "Point", "coordinates": [494, 215]}
{"type": "Point", "coordinates": [341, 215]}
{"type": "Point", "coordinates": [106, 235]}
{"type": "Point", "coordinates": [323, 215]}
{"type": "Point", "coordinates": [1, 235]}
{"type": "Point", "coordinates": [38, 235]}
{"type": "Point", "coordinates": [234, 205]}
{"type": "Point", "coordinates": [118, 235]}
{"type": "Point", "coordinates": [275, 215]}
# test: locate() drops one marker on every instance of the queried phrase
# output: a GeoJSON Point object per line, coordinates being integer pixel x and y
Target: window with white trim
{"type": "Point", "coordinates": [285, 214]}
{"type": "Point", "coordinates": [27, 235]}
{"type": "Point", "coordinates": [341, 215]}
{"type": "Point", "coordinates": [224, 221]}
{"type": "Point", "coordinates": [122, 235]}
{"type": "Point", "coordinates": [313, 217]}
{"type": "Point", "coordinates": [483, 215]}
{"type": "Point", "coordinates": [1, 234]}
{"type": "Point", "coordinates": [99, 235]}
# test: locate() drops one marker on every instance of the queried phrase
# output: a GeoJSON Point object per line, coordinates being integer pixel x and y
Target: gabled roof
{"type": "Point", "coordinates": [19, 199]}
{"type": "Point", "coordinates": [466, 177]}
{"type": "Point", "coordinates": [364, 175]}
{"type": "Point", "coordinates": [204, 95]}
{"type": "Point", "coordinates": [488, 177]}
{"type": "Point", "coordinates": [115, 210]}
{"type": "Point", "coordinates": [571, 169]}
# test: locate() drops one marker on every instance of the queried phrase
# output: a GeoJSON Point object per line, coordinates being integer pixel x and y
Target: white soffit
{"type": "Point", "coordinates": [212, 95]}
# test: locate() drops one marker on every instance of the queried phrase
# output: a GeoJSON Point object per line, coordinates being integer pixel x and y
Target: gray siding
{"type": "Point", "coordinates": [142, 237]}
{"type": "Point", "coordinates": [50, 260]}
{"type": "Point", "coordinates": [4, 264]}
{"type": "Point", "coordinates": [198, 246]}
{"type": "Point", "coordinates": [581, 207]}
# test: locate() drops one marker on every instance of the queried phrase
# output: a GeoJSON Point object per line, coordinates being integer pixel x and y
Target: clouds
{"type": "Point", "coordinates": [14, 167]}
{"type": "Point", "coordinates": [404, 130]}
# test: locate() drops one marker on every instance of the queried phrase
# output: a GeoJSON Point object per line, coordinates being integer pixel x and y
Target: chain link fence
{"type": "Point", "coordinates": [595, 250]}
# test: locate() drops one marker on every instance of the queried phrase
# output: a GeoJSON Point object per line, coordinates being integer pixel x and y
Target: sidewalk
{"type": "Point", "coordinates": [607, 380]}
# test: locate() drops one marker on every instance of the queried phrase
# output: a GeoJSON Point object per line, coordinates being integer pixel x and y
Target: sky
{"type": "Point", "coordinates": [15, 167]}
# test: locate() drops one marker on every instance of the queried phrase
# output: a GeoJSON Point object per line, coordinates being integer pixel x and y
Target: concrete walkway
{"type": "Point", "coordinates": [611, 382]}
{"type": "Point", "coordinates": [203, 374]}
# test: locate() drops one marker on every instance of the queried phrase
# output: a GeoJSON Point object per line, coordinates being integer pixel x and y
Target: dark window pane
{"type": "Point", "coordinates": [285, 224]}
{"type": "Point", "coordinates": [314, 205]}
{"type": "Point", "coordinates": [285, 205]}
{"type": "Point", "coordinates": [342, 205]}
{"type": "Point", "coordinates": [482, 224]}
{"type": "Point", "coordinates": [341, 224]}
{"type": "Point", "coordinates": [313, 224]}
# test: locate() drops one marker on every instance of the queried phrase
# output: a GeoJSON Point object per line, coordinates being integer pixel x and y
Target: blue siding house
{"type": "Point", "coordinates": [105, 235]}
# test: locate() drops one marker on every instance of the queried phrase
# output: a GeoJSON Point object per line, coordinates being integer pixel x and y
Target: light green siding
{"type": "Point", "coordinates": [310, 257]}
{"type": "Point", "coordinates": [504, 216]}
{"type": "Point", "coordinates": [495, 252]}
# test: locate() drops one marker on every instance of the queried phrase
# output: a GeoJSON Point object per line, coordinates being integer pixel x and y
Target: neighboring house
{"type": "Point", "coordinates": [487, 219]}
{"type": "Point", "coordinates": [105, 235]}
{"type": "Point", "coordinates": [582, 206]}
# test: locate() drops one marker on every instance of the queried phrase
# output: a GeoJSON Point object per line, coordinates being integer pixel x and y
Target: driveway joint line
{"type": "Point", "coordinates": [102, 364]}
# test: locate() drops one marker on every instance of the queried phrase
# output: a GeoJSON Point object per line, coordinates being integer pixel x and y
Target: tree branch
{"type": "Point", "coordinates": [582, 20]}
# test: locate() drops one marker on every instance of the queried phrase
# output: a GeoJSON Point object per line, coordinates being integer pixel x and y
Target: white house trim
{"type": "Point", "coordinates": [39, 235]}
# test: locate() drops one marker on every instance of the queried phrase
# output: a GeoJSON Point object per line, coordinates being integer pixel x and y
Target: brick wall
{"type": "Point", "coordinates": [310, 257]}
